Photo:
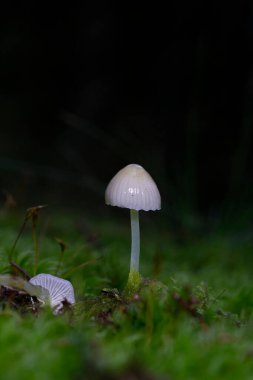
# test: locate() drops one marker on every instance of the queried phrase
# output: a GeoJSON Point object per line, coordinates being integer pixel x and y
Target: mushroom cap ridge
{"type": "Point", "coordinates": [133, 187]}
{"type": "Point", "coordinates": [58, 288]}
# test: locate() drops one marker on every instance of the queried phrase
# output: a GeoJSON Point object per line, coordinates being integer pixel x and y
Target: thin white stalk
{"type": "Point", "coordinates": [135, 248]}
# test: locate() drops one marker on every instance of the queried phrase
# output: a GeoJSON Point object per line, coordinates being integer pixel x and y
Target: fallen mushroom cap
{"type": "Point", "coordinates": [60, 290]}
{"type": "Point", "coordinates": [132, 187]}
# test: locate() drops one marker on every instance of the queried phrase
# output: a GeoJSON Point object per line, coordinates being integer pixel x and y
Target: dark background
{"type": "Point", "coordinates": [87, 89]}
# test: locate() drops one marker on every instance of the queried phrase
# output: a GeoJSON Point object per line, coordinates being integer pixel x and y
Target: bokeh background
{"type": "Point", "coordinates": [87, 89]}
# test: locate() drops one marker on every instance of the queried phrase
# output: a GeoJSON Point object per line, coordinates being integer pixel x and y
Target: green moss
{"type": "Point", "coordinates": [192, 319]}
{"type": "Point", "coordinates": [133, 284]}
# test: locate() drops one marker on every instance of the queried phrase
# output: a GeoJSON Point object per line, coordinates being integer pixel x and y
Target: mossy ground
{"type": "Point", "coordinates": [191, 319]}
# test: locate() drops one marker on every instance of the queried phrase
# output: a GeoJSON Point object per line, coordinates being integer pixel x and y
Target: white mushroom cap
{"type": "Point", "coordinates": [60, 290]}
{"type": "Point", "coordinates": [132, 187]}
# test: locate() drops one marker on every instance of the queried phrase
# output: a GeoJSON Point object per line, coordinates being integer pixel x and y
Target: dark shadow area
{"type": "Point", "coordinates": [86, 89]}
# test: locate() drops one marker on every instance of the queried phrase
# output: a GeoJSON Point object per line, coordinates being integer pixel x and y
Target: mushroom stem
{"type": "Point", "coordinates": [135, 248]}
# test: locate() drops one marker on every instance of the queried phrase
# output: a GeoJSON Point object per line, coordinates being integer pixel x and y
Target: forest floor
{"type": "Point", "coordinates": [191, 319]}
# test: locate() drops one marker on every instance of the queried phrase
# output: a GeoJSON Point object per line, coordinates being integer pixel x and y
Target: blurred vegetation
{"type": "Point", "coordinates": [192, 318]}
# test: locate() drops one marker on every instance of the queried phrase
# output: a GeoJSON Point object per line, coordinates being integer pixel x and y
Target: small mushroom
{"type": "Point", "coordinates": [60, 291]}
{"type": "Point", "coordinates": [132, 187]}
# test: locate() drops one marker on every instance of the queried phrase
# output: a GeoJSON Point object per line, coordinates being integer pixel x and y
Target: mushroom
{"type": "Point", "coordinates": [132, 187]}
{"type": "Point", "coordinates": [60, 291]}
